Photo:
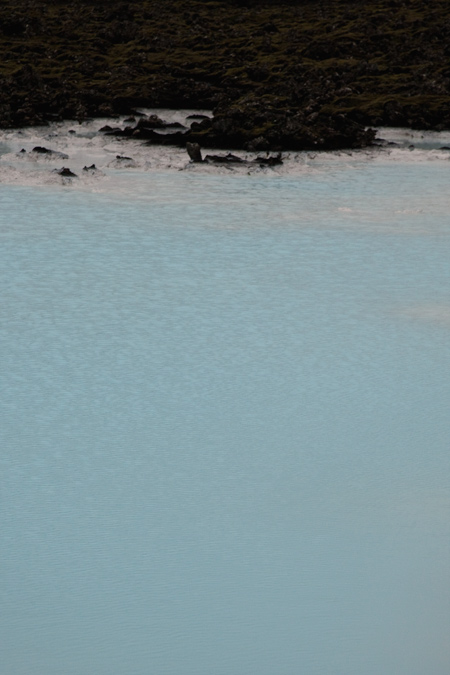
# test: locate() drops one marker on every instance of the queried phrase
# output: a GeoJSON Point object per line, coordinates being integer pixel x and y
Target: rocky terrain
{"type": "Point", "coordinates": [290, 74]}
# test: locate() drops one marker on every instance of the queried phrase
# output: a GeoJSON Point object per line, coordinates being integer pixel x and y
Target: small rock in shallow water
{"type": "Point", "coordinates": [41, 150]}
{"type": "Point", "coordinates": [194, 152]}
{"type": "Point", "coordinates": [269, 161]}
{"type": "Point", "coordinates": [108, 129]}
{"type": "Point", "coordinates": [151, 122]}
{"type": "Point", "coordinates": [224, 159]}
{"type": "Point", "coordinates": [66, 172]}
{"type": "Point", "coordinates": [123, 162]}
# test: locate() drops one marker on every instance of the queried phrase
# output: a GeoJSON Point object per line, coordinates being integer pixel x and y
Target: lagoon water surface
{"type": "Point", "coordinates": [225, 423]}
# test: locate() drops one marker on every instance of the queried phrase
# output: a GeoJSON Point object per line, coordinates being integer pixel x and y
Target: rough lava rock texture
{"type": "Point", "coordinates": [284, 74]}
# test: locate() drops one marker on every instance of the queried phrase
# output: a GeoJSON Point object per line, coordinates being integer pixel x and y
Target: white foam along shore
{"type": "Point", "coordinates": [98, 159]}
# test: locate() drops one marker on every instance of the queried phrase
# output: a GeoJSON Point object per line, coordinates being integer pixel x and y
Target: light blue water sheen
{"type": "Point", "coordinates": [225, 427]}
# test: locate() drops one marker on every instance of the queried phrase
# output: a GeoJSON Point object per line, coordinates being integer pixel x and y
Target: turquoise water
{"type": "Point", "coordinates": [225, 429]}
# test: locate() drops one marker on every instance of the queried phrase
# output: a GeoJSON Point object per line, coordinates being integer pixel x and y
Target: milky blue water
{"type": "Point", "coordinates": [225, 424]}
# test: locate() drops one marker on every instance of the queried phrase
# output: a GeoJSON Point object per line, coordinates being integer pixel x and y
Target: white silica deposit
{"type": "Point", "coordinates": [78, 146]}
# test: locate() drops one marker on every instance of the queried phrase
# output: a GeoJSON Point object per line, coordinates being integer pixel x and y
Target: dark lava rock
{"type": "Point", "coordinates": [107, 129]}
{"type": "Point", "coordinates": [194, 152]}
{"type": "Point", "coordinates": [90, 168]}
{"type": "Point", "coordinates": [41, 150]}
{"type": "Point", "coordinates": [66, 172]}
{"type": "Point", "coordinates": [152, 122]}
{"type": "Point", "coordinates": [145, 129]}
{"type": "Point", "coordinates": [270, 161]}
{"type": "Point", "coordinates": [178, 138]}
{"type": "Point", "coordinates": [259, 143]}
{"type": "Point", "coordinates": [278, 75]}
{"type": "Point", "coordinates": [224, 159]}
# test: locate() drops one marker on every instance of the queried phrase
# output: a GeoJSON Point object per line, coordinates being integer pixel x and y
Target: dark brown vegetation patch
{"type": "Point", "coordinates": [285, 74]}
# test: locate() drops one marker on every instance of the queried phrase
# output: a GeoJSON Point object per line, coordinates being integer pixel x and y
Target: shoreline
{"type": "Point", "coordinates": [84, 157]}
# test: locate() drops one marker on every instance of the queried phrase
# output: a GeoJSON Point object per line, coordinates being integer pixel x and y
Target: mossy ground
{"type": "Point", "coordinates": [371, 62]}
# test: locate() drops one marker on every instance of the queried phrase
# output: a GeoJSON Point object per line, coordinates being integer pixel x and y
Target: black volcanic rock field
{"type": "Point", "coordinates": [277, 75]}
